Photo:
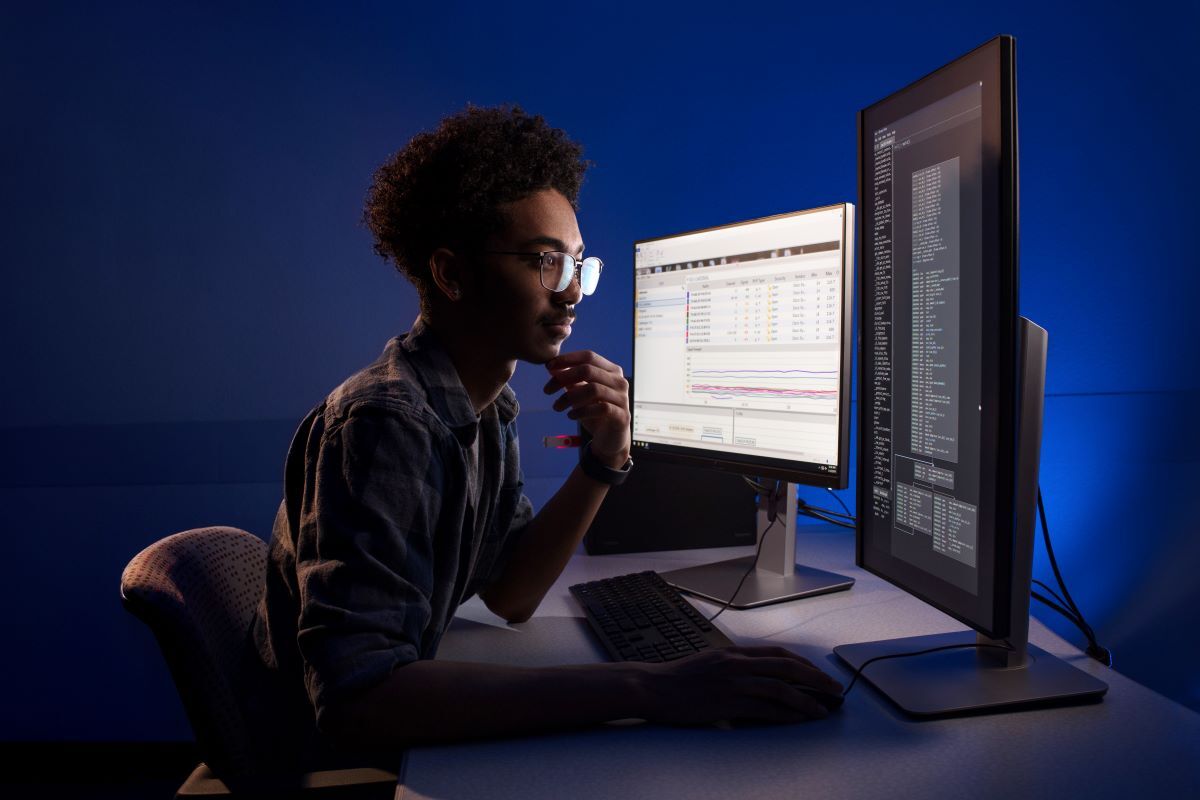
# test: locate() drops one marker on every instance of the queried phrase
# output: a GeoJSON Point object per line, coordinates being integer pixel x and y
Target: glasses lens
{"type": "Point", "coordinates": [557, 271]}
{"type": "Point", "coordinates": [589, 274]}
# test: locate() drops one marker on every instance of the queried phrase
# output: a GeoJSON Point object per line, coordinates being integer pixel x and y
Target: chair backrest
{"type": "Point", "coordinates": [197, 591]}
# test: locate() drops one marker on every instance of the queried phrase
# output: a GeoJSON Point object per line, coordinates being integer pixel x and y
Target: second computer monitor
{"type": "Point", "coordinates": [741, 362]}
{"type": "Point", "coordinates": [741, 357]}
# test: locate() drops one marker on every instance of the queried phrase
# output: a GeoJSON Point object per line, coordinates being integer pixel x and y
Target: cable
{"type": "Point", "coordinates": [1066, 612]}
{"type": "Point", "coordinates": [827, 511]}
{"type": "Point", "coordinates": [1058, 605]}
{"type": "Point", "coordinates": [800, 501]}
{"type": "Point", "coordinates": [772, 500]}
{"type": "Point", "coordinates": [756, 485]}
{"type": "Point", "coordinates": [815, 514]}
{"type": "Point", "coordinates": [845, 507]}
{"type": "Point", "coordinates": [825, 515]}
{"type": "Point", "coordinates": [753, 565]}
{"type": "Point", "coordinates": [1094, 649]}
{"type": "Point", "coordinates": [870, 661]}
{"type": "Point", "coordinates": [1053, 561]}
{"type": "Point", "coordinates": [1051, 592]}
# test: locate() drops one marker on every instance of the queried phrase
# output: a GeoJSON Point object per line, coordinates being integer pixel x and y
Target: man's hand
{"type": "Point", "coordinates": [761, 684]}
{"type": "Point", "coordinates": [597, 393]}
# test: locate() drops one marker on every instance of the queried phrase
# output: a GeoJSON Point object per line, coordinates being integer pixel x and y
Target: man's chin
{"type": "Point", "coordinates": [544, 354]}
{"type": "Point", "coordinates": [545, 345]}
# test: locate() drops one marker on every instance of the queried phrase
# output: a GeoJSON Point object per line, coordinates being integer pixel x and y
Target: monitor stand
{"type": "Point", "coordinates": [777, 578]}
{"type": "Point", "coordinates": [988, 679]}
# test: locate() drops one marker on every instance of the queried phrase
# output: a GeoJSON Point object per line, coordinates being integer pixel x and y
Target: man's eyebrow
{"type": "Point", "coordinates": [557, 245]}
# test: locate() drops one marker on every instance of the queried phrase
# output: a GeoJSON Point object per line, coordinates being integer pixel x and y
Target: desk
{"type": "Point", "coordinates": [1134, 744]}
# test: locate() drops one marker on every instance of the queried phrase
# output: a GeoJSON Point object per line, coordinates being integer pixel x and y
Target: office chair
{"type": "Point", "coordinates": [197, 591]}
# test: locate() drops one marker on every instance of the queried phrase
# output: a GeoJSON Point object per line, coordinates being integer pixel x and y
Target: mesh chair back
{"type": "Point", "coordinates": [197, 591]}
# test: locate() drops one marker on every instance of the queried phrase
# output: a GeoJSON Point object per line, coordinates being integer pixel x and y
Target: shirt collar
{"type": "Point", "coordinates": [444, 389]}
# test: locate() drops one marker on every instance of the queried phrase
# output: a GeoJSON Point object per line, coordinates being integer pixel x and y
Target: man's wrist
{"type": "Point", "coordinates": [646, 700]}
{"type": "Point", "coordinates": [612, 461]}
{"type": "Point", "coordinates": [599, 470]}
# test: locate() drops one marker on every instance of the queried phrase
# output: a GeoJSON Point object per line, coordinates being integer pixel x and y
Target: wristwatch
{"type": "Point", "coordinates": [598, 471]}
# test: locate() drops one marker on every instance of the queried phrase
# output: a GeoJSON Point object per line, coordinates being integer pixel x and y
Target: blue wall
{"type": "Point", "coordinates": [185, 273]}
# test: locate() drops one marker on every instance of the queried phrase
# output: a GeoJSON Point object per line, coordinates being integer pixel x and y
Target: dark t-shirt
{"type": "Point", "coordinates": [399, 504]}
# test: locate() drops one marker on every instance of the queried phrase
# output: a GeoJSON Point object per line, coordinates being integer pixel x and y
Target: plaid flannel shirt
{"type": "Point", "coordinates": [399, 504]}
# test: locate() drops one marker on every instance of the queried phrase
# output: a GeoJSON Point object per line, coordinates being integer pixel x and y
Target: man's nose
{"type": "Point", "coordinates": [572, 294]}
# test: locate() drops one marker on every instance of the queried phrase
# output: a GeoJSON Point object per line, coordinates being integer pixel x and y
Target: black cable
{"type": "Point", "coordinates": [1066, 612]}
{"type": "Point", "coordinates": [772, 500]}
{"type": "Point", "coordinates": [814, 513]}
{"type": "Point", "coordinates": [1060, 606]}
{"type": "Point", "coordinates": [756, 485]}
{"type": "Point", "coordinates": [827, 511]}
{"type": "Point", "coordinates": [870, 661]}
{"type": "Point", "coordinates": [1094, 649]}
{"type": "Point", "coordinates": [1053, 561]}
{"type": "Point", "coordinates": [1052, 593]}
{"type": "Point", "coordinates": [772, 503]}
{"type": "Point", "coordinates": [1070, 601]}
{"type": "Point", "coordinates": [845, 507]}
{"type": "Point", "coordinates": [1056, 603]}
{"type": "Point", "coordinates": [825, 515]}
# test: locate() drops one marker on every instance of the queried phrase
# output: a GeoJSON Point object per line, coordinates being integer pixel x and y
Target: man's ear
{"type": "Point", "coordinates": [447, 270]}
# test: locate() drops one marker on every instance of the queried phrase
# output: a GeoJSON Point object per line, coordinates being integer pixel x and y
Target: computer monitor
{"type": "Point", "coordinates": [951, 386]}
{"type": "Point", "coordinates": [741, 362]}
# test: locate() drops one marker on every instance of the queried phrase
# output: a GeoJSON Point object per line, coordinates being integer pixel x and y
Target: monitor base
{"type": "Point", "coordinates": [967, 681]}
{"type": "Point", "coordinates": [716, 582]}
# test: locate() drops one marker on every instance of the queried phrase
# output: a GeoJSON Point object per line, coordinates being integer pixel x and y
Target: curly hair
{"type": "Point", "coordinates": [446, 187]}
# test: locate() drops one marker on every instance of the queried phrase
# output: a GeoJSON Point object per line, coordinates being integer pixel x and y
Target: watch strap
{"type": "Point", "coordinates": [596, 470]}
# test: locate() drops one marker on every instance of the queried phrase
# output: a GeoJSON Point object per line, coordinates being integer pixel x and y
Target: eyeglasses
{"type": "Point", "coordinates": [558, 269]}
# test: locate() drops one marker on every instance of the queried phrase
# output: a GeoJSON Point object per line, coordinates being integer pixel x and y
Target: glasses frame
{"type": "Point", "coordinates": [575, 265]}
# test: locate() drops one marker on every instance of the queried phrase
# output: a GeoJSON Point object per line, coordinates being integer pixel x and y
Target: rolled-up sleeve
{"type": "Point", "coordinates": [364, 554]}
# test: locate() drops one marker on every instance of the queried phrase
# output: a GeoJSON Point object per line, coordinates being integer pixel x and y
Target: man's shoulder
{"type": "Point", "coordinates": [413, 381]}
{"type": "Point", "coordinates": [390, 384]}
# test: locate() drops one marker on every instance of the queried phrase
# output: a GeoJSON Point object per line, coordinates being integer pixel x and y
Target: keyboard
{"type": "Point", "coordinates": [640, 617]}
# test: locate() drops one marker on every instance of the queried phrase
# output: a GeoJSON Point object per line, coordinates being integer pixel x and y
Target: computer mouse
{"type": "Point", "coordinates": [831, 700]}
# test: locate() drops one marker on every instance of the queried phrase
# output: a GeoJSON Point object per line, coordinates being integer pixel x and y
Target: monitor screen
{"type": "Point", "coordinates": [937, 170]}
{"type": "Point", "coordinates": [741, 350]}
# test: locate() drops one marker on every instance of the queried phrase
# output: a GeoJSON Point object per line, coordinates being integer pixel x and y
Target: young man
{"type": "Point", "coordinates": [403, 494]}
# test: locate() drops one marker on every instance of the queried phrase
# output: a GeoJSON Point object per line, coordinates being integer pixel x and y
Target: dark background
{"type": "Point", "coordinates": [185, 273]}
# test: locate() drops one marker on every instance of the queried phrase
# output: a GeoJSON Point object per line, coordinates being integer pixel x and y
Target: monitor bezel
{"type": "Point", "coordinates": [988, 611]}
{"type": "Point", "coordinates": [775, 469]}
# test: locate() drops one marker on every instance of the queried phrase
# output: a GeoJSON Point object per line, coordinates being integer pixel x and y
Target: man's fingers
{"type": "Point", "coordinates": [588, 393]}
{"type": "Point", "coordinates": [782, 693]}
{"type": "Point", "coordinates": [568, 367]}
{"type": "Point", "coordinates": [580, 357]}
{"type": "Point", "coordinates": [584, 373]}
{"type": "Point", "coordinates": [768, 650]}
{"type": "Point", "coordinates": [773, 706]}
{"type": "Point", "coordinates": [781, 663]}
{"type": "Point", "coordinates": [593, 412]}
{"type": "Point", "coordinates": [793, 671]}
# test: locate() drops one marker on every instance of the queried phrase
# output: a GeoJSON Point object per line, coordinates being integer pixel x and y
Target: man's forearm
{"type": "Point", "coordinates": [547, 545]}
{"type": "Point", "coordinates": [428, 702]}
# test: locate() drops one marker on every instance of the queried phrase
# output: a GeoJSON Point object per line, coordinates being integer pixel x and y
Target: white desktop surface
{"type": "Point", "coordinates": [1135, 743]}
